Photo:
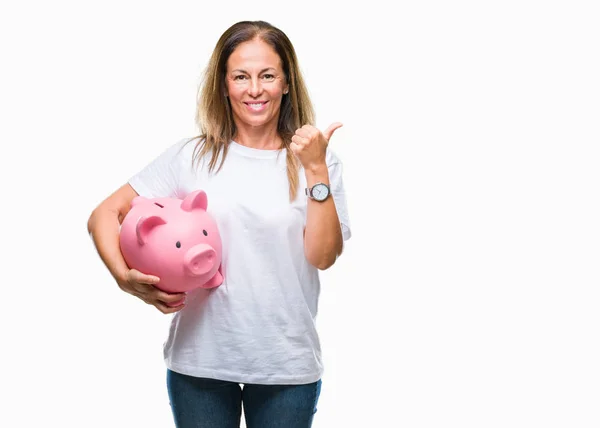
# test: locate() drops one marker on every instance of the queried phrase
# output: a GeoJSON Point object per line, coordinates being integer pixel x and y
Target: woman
{"type": "Point", "coordinates": [276, 192]}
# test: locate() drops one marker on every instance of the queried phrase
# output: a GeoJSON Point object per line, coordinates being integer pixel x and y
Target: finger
{"type": "Point", "coordinates": [142, 278]}
{"type": "Point", "coordinates": [150, 279]}
{"type": "Point", "coordinates": [331, 128]}
{"type": "Point", "coordinates": [168, 309]}
{"type": "Point", "coordinates": [168, 297]}
{"type": "Point", "coordinates": [142, 289]}
{"type": "Point", "coordinates": [296, 148]}
{"type": "Point", "coordinates": [175, 304]}
{"type": "Point", "coordinates": [304, 131]}
{"type": "Point", "coordinates": [299, 140]}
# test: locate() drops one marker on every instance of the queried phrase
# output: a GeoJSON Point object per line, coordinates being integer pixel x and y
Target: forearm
{"type": "Point", "coordinates": [103, 227]}
{"type": "Point", "coordinates": [323, 234]}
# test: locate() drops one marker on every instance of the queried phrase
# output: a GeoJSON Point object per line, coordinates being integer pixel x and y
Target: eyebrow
{"type": "Point", "coordinates": [262, 71]}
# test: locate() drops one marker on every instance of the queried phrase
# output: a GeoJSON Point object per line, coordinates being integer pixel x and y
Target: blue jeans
{"type": "Point", "coordinates": [201, 402]}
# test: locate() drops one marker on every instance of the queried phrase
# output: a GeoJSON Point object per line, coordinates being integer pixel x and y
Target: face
{"type": "Point", "coordinates": [255, 84]}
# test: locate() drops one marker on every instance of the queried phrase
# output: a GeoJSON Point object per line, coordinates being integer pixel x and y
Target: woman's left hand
{"type": "Point", "coordinates": [310, 145]}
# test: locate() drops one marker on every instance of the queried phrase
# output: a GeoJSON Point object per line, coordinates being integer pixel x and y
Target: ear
{"type": "Point", "coordinates": [145, 225]}
{"type": "Point", "coordinates": [195, 200]}
{"type": "Point", "coordinates": [137, 200]}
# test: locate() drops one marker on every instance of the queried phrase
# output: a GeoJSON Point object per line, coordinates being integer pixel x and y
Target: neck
{"type": "Point", "coordinates": [258, 138]}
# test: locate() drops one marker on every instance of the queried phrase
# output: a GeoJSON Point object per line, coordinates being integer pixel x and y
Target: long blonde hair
{"type": "Point", "coordinates": [214, 117]}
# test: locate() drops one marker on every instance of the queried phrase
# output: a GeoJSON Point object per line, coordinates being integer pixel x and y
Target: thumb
{"type": "Point", "coordinates": [331, 128]}
{"type": "Point", "coordinates": [143, 278]}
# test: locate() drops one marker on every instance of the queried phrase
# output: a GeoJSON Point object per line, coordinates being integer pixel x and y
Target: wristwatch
{"type": "Point", "coordinates": [319, 192]}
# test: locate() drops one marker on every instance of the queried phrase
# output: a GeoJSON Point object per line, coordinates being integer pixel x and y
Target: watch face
{"type": "Point", "coordinates": [320, 192]}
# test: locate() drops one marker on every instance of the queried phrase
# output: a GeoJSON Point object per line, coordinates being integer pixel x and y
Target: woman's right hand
{"type": "Point", "coordinates": [143, 287]}
{"type": "Point", "coordinates": [103, 227]}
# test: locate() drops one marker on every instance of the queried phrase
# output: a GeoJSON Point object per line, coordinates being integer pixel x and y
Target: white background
{"type": "Point", "coordinates": [468, 295]}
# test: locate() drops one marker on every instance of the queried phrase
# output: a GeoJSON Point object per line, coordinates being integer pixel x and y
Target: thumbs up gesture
{"type": "Point", "coordinates": [310, 145]}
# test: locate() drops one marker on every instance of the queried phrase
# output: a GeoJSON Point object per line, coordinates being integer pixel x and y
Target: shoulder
{"type": "Point", "coordinates": [177, 155]}
{"type": "Point", "coordinates": [180, 152]}
{"type": "Point", "coordinates": [186, 146]}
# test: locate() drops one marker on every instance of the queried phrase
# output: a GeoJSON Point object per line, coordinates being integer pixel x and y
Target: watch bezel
{"type": "Point", "coordinates": [310, 192]}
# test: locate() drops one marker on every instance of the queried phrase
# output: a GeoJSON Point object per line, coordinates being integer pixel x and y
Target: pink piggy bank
{"type": "Point", "coordinates": [174, 239]}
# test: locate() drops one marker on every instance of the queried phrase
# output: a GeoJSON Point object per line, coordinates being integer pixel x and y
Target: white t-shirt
{"type": "Point", "coordinates": [258, 326]}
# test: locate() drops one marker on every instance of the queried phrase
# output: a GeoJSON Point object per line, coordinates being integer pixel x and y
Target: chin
{"type": "Point", "coordinates": [256, 122]}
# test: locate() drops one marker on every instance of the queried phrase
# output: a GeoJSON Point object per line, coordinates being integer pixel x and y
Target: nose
{"type": "Point", "coordinates": [199, 260]}
{"type": "Point", "coordinates": [255, 88]}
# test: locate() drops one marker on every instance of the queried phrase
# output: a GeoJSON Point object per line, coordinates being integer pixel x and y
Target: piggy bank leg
{"type": "Point", "coordinates": [215, 281]}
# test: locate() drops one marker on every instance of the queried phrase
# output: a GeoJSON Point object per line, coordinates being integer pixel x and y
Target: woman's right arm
{"type": "Point", "coordinates": [103, 227]}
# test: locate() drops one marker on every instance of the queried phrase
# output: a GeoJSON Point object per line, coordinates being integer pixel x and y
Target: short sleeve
{"type": "Point", "coordinates": [160, 178]}
{"type": "Point", "coordinates": [338, 192]}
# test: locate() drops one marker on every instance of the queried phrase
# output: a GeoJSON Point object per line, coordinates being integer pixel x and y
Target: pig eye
{"type": "Point", "coordinates": [205, 232]}
{"type": "Point", "coordinates": [178, 244]}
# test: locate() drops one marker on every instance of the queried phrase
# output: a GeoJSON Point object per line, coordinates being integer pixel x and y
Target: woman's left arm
{"type": "Point", "coordinates": [323, 233]}
{"type": "Point", "coordinates": [323, 239]}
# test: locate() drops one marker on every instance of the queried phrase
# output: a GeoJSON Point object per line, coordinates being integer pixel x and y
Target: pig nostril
{"type": "Point", "coordinates": [205, 232]}
{"type": "Point", "coordinates": [200, 260]}
{"type": "Point", "coordinates": [178, 244]}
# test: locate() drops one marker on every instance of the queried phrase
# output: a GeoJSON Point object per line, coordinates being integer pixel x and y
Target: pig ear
{"type": "Point", "coordinates": [195, 200]}
{"type": "Point", "coordinates": [145, 225]}
{"type": "Point", "coordinates": [137, 200]}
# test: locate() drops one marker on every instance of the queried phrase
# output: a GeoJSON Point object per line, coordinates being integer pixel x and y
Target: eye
{"type": "Point", "coordinates": [239, 77]}
{"type": "Point", "coordinates": [205, 232]}
{"type": "Point", "coordinates": [178, 244]}
{"type": "Point", "coordinates": [269, 76]}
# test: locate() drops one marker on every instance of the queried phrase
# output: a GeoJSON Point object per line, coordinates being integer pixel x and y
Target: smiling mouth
{"type": "Point", "coordinates": [256, 106]}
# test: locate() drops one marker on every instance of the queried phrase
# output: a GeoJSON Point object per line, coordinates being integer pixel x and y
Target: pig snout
{"type": "Point", "coordinates": [199, 260]}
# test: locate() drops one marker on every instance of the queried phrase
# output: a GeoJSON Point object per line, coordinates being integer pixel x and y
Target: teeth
{"type": "Point", "coordinates": [256, 106]}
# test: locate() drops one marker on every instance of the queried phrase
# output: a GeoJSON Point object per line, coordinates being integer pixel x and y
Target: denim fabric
{"type": "Point", "coordinates": [209, 403]}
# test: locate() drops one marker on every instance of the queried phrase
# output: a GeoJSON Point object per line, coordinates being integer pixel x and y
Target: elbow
{"type": "Point", "coordinates": [90, 223]}
{"type": "Point", "coordinates": [326, 264]}
{"type": "Point", "coordinates": [100, 213]}
{"type": "Point", "coordinates": [325, 259]}
{"type": "Point", "coordinates": [94, 219]}
{"type": "Point", "coordinates": [322, 263]}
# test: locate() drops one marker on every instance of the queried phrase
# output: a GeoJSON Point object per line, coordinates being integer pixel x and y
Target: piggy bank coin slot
{"type": "Point", "coordinates": [156, 203]}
